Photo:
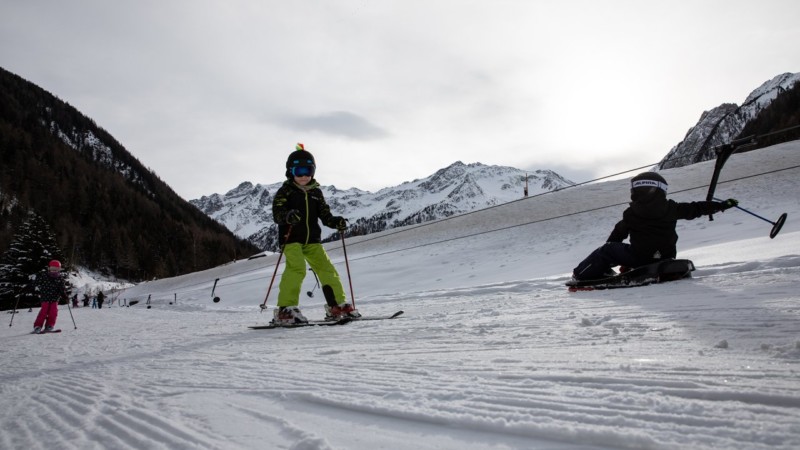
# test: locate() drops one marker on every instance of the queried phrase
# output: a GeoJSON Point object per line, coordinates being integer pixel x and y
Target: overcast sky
{"type": "Point", "coordinates": [212, 93]}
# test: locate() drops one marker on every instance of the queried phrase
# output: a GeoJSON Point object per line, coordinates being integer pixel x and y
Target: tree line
{"type": "Point", "coordinates": [107, 212]}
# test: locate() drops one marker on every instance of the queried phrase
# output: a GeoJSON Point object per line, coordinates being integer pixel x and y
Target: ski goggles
{"type": "Point", "coordinates": [303, 171]}
{"type": "Point", "coordinates": [649, 184]}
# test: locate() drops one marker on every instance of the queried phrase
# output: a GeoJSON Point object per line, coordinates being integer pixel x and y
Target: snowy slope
{"type": "Point", "coordinates": [492, 352]}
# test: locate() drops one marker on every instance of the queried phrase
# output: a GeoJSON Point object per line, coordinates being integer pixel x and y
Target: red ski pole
{"type": "Point", "coordinates": [349, 279]}
{"type": "Point", "coordinates": [277, 264]}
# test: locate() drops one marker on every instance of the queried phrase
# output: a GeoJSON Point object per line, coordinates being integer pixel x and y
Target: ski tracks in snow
{"type": "Point", "coordinates": [512, 357]}
{"type": "Point", "coordinates": [97, 398]}
{"type": "Point", "coordinates": [511, 365]}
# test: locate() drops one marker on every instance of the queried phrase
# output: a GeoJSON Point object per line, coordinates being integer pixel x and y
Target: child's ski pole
{"type": "Point", "coordinates": [349, 279]}
{"type": "Point", "coordinates": [14, 313]}
{"type": "Point", "coordinates": [70, 314]}
{"type": "Point", "coordinates": [277, 264]}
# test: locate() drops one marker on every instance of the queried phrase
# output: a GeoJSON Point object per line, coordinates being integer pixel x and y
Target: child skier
{"type": "Point", "coordinates": [49, 285]}
{"type": "Point", "coordinates": [297, 209]}
{"type": "Point", "coordinates": [650, 222]}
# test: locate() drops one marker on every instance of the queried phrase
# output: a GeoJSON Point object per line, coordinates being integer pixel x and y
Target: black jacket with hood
{"type": "Point", "coordinates": [309, 202]}
{"type": "Point", "coordinates": [50, 287]}
{"type": "Point", "coordinates": [651, 225]}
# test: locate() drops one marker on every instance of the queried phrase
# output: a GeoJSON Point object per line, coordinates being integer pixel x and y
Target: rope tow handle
{"type": "Point", "coordinates": [723, 153]}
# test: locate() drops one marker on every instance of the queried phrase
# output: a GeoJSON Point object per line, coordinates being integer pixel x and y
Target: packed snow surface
{"type": "Point", "coordinates": [491, 353]}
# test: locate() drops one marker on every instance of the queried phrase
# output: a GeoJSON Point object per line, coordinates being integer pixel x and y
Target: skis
{"type": "Point", "coordinates": [310, 323]}
{"type": "Point", "coordinates": [662, 271]}
{"type": "Point", "coordinates": [391, 316]}
{"type": "Point", "coordinates": [48, 332]}
{"type": "Point", "coordinates": [323, 323]}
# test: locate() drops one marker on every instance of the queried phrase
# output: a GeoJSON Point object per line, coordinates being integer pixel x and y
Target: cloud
{"type": "Point", "coordinates": [338, 123]}
{"type": "Point", "coordinates": [228, 89]}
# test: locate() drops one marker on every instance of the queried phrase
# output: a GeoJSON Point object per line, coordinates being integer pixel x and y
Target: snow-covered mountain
{"type": "Point", "coordinates": [723, 124]}
{"type": "Point", "coordinates": [247, 209]}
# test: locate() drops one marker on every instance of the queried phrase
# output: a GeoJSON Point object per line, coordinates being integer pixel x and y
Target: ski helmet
{"type": "Point", "coordinates": [647, 186]}
{"type": "Point", "coordinates": [54, 268]}
{"type": "Point", "coordinates": [300, 162]}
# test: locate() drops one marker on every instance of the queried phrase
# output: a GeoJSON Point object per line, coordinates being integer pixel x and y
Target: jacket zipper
{"type": "Point", "coordinates": [308, 228]}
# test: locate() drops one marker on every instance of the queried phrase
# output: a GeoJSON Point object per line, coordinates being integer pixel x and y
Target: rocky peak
{"type": "Point", "coordinates": [723, 124]}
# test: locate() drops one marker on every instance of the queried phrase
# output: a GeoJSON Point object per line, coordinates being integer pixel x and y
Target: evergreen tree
{"type": "Point", "coordinates": [32, 248]}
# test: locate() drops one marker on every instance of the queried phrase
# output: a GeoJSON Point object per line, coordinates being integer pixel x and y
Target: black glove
{"type": "Point", "coordinates": [340, 223]}
{"type": "Point", "coordinates": [293, 217]}
{"type": "Point", "coordinates": [728, 204]}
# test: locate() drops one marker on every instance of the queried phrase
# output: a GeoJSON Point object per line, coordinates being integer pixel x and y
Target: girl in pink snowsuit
{"type": "Point", "coordinates": [50, 287]}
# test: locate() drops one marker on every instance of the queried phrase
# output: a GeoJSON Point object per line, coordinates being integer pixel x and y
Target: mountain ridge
{"type": "Point", "coordinates": [246, 209]}
{"type": "Point", "coordinates": [458, 188]}
{"type": "Point", "coordinates": [727, 122]}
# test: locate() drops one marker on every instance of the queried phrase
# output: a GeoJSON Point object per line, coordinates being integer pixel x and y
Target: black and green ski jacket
{"type": "Point", "coordinates": [309, 202]}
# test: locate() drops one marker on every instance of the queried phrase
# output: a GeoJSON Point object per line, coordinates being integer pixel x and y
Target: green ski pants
{"type": "Point", "coordinates": [296, 255]}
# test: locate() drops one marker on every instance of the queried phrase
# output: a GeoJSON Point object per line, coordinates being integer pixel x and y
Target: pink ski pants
{"type": "Point", "coordinates": [49, 311]}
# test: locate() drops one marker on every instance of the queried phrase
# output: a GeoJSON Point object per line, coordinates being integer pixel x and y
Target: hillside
{"type": "Point", "coordinates": [108, 211]}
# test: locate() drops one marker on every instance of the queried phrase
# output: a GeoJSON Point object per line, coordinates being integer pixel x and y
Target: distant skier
{"type": "Point", "coordinates": [49, 286]}
{"type": "Point", "coordinates": [650, 222]}
{"type": "Point", "coordinates": [297, 209]}
{"type": "Point", "coordinates": [100, 299]}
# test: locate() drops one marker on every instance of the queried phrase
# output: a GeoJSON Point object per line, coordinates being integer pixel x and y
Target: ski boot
{"type": "Point", "coordinates": [288, 315]}
{"type": "Point", "coordinates": [341, 311]}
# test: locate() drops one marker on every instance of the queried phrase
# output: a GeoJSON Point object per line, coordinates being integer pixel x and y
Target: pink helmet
{"type": "Point", "coordinates": [54, 268]}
